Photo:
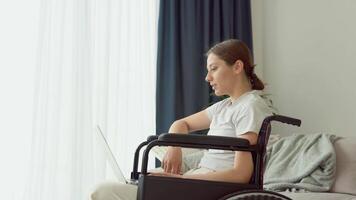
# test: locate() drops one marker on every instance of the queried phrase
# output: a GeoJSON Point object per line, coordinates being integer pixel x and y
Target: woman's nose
{"type": "Point", "coordinates": [208, 77]}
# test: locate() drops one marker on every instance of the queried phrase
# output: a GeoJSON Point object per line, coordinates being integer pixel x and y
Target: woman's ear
{"type": "Point", "coordinates": [238, 66]}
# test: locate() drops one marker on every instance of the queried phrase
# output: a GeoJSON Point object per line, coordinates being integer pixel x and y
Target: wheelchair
{"type": "Point", "coordinates": [170, 188]}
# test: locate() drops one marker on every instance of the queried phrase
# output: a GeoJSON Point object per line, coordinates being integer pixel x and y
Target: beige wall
{"type": "Point", "coordinates": [306, 52]}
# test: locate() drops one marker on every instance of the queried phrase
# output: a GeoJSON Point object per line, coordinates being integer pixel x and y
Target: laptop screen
{"type": "Point", "coordinates": [110, 156]}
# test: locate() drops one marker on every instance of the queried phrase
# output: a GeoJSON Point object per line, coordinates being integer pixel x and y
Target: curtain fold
{"type": "Point", "coordinates": [186, 30]}
{"type": "Point", "coordinates": [96, 65]}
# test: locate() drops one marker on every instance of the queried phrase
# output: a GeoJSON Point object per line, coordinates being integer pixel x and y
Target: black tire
{"type": "Point", "coordinates": [255, 195]}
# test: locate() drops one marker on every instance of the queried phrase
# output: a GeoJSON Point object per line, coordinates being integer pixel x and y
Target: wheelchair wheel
{"type": "Point", "coordinates": [255, 195]}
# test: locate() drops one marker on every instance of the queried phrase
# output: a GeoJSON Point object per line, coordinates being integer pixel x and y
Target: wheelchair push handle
{"type": "Point", "coordinates": [282, 119]}
{"type": "Point", "coordinates": [151, 138]}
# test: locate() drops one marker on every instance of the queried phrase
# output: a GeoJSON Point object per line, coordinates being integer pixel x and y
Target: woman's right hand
{"type": "Point", "coordinates": [172, 161]}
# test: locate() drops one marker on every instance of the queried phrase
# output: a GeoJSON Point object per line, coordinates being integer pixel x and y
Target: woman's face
{"type": "Point", "coordinates": [220, 76]}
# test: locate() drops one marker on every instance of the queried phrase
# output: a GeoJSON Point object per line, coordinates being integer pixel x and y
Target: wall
{"type": "Point", "coordinates": [307, 51]}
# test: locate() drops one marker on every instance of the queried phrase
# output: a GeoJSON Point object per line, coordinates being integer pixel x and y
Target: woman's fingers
{"type": "Point", "coordinates": [175, 169]}
{"type": "Point", "coordinates": [171, 168]}
{"type": "Point", "coordinates": [164, 166]}
{"type": "Point", "coordinates": [179, 169]}
{"type": "Point", "coordinates": [172, 161]}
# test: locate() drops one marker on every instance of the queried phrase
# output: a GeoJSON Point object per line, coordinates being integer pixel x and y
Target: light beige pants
{"type": "Point", "coordinates": [120, 191]}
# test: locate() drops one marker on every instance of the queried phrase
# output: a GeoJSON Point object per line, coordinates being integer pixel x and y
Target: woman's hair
{"type": "Point", "coordinates": [232, 50]}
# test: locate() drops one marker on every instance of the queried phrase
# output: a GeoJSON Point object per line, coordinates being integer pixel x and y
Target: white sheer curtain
{"type": "Point", "coordinates": [96, 65]}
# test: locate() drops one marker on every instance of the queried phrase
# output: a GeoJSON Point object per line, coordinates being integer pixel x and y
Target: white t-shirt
{"type": "Point", "coordinates": [232, 119]}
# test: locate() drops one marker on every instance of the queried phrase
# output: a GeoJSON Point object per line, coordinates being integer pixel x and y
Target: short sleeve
{"type": "Point", "coordinates": [250, 118]}
{"type": "Point", "coordinates": [213, 109]}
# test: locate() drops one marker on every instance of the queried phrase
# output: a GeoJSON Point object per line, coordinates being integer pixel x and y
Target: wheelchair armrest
{"type": "Point", "coordinates": [207, 141]}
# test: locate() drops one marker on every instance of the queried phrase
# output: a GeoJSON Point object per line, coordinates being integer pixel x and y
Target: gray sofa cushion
{"type": "Point", "coordinates": [345, 181]}
{"type": "Point", "coordinates": [318, 196]}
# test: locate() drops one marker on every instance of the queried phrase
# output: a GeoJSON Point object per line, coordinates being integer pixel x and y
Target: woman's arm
{"type": "Point", "coordinates": [195, 122]}
{"type": "Point", "coordinates": [172, 161]}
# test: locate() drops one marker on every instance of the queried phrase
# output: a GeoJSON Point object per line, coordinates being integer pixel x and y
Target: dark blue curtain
{"type": "Point", "coordinates": [186, 30]}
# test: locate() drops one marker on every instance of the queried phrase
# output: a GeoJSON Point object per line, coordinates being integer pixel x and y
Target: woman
{"type": "Point", "coordinates": [230, 72]}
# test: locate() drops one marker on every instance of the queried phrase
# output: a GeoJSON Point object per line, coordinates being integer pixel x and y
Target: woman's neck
{"type": "Point", "coordinates": [239, 91]}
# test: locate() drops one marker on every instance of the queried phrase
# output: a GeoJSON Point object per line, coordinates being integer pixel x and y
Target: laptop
{"type": "Point", "coordinates": [111, 158]}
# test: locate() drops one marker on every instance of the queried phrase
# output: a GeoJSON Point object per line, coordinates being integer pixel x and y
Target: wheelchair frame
{"type": "Point", "coordinates": [155, 188]}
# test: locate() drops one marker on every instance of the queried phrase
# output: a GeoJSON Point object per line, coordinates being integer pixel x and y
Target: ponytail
{"type": "Point", "coordinates": [256, 82]}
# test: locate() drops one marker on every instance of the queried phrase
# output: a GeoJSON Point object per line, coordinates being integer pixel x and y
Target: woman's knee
{"type": "Point", "coordinates": [114, 191]}
{"type": "Point", "coordinates": [102, 191]}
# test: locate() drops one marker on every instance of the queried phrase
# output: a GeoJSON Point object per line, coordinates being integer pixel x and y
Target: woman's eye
{"type": "Point", "coordinates": [213, 68]}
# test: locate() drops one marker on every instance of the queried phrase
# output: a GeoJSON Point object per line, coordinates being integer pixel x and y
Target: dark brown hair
{"type": "Point", "coordinates": [232, 50]}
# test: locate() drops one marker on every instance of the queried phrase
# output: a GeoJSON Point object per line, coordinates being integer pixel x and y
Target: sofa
{"type": "Point", "coordinates": [344, 186]}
